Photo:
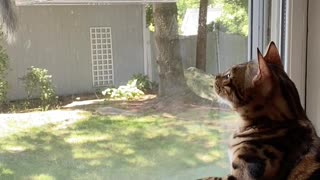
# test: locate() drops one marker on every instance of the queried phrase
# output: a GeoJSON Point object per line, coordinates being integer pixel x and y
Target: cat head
{"type": "Point", "coordinates": [256, 83]}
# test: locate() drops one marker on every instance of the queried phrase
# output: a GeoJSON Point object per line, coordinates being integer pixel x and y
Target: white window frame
{"type": "Point", "coordinates": [296, 44]}
{"type": "Point", "coordinates": [289, 31]}
{"type": "Point", "coordinates": [263, 26]}
{"type": "Point", "coordinates": [258, 26]}
{"type": "Point", "coordinates": [278, 25]}
{"type": "Point", "coordinates": [101, 57]}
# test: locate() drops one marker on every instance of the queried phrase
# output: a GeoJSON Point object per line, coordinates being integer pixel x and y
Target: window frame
{"type": "Point", "coordinates": [296, 44]}
{"type": "Point", "coordinates": [288, 20]}
{"type": "Point", "coordinates": [258, 26]}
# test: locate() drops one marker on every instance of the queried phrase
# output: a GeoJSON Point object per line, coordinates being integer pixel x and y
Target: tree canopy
{"type": "Point", "coordinates": [234, 18]}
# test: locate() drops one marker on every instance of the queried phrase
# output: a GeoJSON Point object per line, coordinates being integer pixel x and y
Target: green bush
{"type": "Point", "coordinates": [143, 83]}
{"type": "Point", "coordinates": [3, 91]}
{"type": "Point", "coordinates": [38, 84]}
{"type": "Point", "coordinates": [4, 65]}
{"type": "Point", "coordinates": [128, 92]}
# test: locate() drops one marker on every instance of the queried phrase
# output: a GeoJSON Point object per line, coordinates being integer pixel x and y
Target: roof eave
{"type": "Point", "coordinates": [88, 3]}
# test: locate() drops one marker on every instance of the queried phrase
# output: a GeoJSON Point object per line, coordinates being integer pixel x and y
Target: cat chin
{"type": "Point", "coordinates": [224, 101]}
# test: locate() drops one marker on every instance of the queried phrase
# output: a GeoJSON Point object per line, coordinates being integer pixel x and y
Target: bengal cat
{"type": "Point", "coordinates": [275, 139]}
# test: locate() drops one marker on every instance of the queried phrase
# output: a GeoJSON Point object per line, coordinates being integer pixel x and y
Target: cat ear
{"type": "Point", "coordinates": [263, 76]}
{"type": "Point", "coordinates": [272, 56]}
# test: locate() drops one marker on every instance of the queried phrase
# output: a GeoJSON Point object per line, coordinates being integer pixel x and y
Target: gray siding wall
{"type": "Point", "coordinates": [57, 38]}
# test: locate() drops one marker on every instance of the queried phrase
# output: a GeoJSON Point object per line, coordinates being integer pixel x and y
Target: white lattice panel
{"type": "Point", "coordinates": [101, 55]}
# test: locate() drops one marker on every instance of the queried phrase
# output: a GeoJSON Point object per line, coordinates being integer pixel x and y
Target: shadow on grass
{"type": "Point", "coordinates": [35, 153]}
{"type": "Point", "coordinates": [114, 147]}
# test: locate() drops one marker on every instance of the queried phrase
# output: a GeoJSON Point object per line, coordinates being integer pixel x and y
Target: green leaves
{"type": "Point", "coordinates": [128, 92]}
{"type": "Point", "coordinates": [234, 18]}
{"type": "Point", "coordinates": [38, 83]}
{"type": "Point", "coordinates": [142, 82]}
{"type": "Point", "coordinates": [4, 65]}
{"type": "Point", "coordinates": [137, 86]}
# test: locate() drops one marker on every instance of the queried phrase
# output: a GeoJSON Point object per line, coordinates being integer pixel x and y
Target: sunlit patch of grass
{"type": "Point", "coordinates": [14, 148]}
{"type": "Point", "coordinates": [141, 161]}
{"type": "Point", "coordinates": [128, 151]}
{"type": "Point", "coordinates": [190, 162]}
{"type": "Point", "coordinates": [119, 147]}
{"type": "Point", "coordinates": [84, 153]}
{"type": "Point", "coordinates": [222, 115]}
{"type": "Point", "coordinates": [95, 162]}
{"type": "Point", "coordinates": [211, 143]}
{"type": "Point", "coordinates": [129, 130]}
{"type": "Point", "coordinates": [154, 132]}
{"type": "Point", "coordinates": [209, 156]}
{"type": "Point", "coordinates": [172, 151]}
{"type": "Point", "coordinates": [116, 118]}
{"type": "Point", "coordinates": [196, 130]}
{"type": "Point", "coordinates": [42, 177]}
{"type": "Point", "coordinates": [226, 115]}
{"type": "Point", "coordinates": [5, 173]}
{"type": "Point", "coordinates": [81, 139]}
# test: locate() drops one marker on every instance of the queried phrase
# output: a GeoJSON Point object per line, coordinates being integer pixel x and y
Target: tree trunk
{"type": "Point", "coordinates": [172, 81]}
{"type": "Point", "coordinates": [202, 36]}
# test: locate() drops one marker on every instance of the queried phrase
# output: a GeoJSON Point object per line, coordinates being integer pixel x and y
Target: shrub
{"type": "Point", "coordinates": [3, 91]}
{"type": "Point", "coordinates": [38, 83]}
{"type": "Point", "coordinates": [143, 83]}
{"type": "Point", "coordinates": [4, 65]}
{"type": "Point", "coordinates": [129, 91]}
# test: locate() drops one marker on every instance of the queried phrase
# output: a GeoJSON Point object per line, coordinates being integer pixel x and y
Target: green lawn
{"type": "Point", "coordinates": [120, 147]}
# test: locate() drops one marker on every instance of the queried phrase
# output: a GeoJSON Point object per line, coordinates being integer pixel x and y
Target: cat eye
{"type": "Point", "coordinates": [227, 76]}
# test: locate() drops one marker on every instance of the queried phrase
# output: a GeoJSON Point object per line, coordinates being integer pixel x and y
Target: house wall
{"type": "Point", "coordinates": [57, 38]}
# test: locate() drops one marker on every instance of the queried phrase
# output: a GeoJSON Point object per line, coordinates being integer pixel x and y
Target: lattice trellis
{"type": "Point", "coordinates": [101, 55]}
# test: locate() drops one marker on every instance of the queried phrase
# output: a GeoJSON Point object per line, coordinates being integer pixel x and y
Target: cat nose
{"type": "Point", "coordinates": [217, 76]}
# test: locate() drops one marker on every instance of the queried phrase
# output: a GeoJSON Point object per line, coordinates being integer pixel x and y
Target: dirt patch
{"type": "Point", "coordinates": [143, 105]}
{"type": "Point", "coordinates": [114, 111]}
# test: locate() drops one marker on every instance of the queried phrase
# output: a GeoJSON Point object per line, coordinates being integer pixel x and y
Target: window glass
{"type": "Point", "coordinates": [119, 89]}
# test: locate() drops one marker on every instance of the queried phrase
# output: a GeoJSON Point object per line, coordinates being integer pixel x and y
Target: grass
{"type": "Point", "coordinates": [119, 147]}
